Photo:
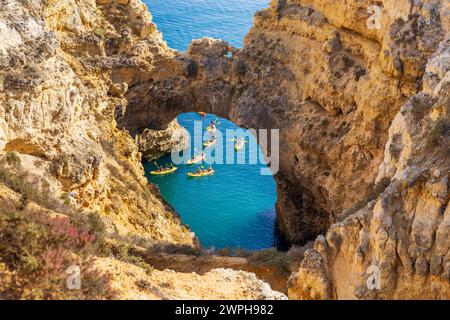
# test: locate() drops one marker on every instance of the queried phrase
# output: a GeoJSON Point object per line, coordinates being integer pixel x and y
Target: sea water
{"type": "Point", "coordinates": [181, 21]}
{"type": "Point", "coordinates": [235, 207]}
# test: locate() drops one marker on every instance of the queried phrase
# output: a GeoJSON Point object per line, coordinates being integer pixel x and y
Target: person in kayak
{"type": "Point", "coordinates": [202, 155]}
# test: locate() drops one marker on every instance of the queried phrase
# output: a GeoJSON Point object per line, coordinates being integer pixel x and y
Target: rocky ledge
{"type": "Point", "coordinates": [156, 143]}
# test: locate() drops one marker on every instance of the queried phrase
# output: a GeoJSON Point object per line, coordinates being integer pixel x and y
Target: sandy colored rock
{"type": "Point", "coordinates": [130, 282]}
{"type": "Point", "coordinates": [356, 108]}
{"type": "Point", "coordinates": [363, 118]}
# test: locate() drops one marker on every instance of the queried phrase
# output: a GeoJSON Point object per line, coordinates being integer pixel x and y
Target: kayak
{"type": "Point", "coordinates": [160, 173]}
{"type": "Point", "coordinates": [196, 160]}
{"type": "Point", "coordinates": [238, 146]}
{"type": "Point", "coordinates": [209, 143]}
{"type": "Point", "coordinates": [198, 175]}
{"type": "Point", "coordinates": [211, 130]}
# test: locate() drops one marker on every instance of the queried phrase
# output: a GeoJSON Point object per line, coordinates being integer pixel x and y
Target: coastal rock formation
{"type": "Point", "coordinates": [361, 100]}
{"type": "Point", "coordinates": [156, 143]}
{"type": "Point", "coordinates": [61, 64]}
{"type": "Point", "coordinates": [359, 95]}
{"type": "Point", "coordinates": [70, 180]}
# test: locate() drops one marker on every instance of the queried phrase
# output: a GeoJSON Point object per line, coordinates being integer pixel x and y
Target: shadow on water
{"type": "Point", "coordinates": [280, 241]}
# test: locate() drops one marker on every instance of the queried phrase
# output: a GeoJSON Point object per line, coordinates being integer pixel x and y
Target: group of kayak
{"type": "Point", "coordinates": [201, 172]}
{"type": "Point", "coordinates": [239, 142]}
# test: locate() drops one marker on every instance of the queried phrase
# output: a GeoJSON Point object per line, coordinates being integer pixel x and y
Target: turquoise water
{"type": "Point", "coordinates": [180, 21]}
{"type": "Point", "coordinates": [233, 208]}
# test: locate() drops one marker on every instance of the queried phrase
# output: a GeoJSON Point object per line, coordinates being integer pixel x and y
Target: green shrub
{"type": "Point", "coordinates": [224, 252]}
{"type": "Point", "coordinates": [124, 252]}
{"type": "Point", "coordinates": [13, 159]}
{"type": "Point", "coordinates": [171, 248]}
{"type": "Point", "coordinates": [271, 257]}
{"type": "Point", "coordinates": [35, 254]}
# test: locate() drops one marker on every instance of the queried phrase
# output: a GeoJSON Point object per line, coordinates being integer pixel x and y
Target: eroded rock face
{"type": "Point", "coordinates": [363, 118]}
{"type": "Point", "coordinates": [402, 236]}
{"type": "Point", "coordinates": [64, 68]}
{"type": "Point", "coordinates": [71, 182]}
{"type": "Point", "coordinates": [156, 143]}
{"type": "Point", "coordinates": [355, 107]}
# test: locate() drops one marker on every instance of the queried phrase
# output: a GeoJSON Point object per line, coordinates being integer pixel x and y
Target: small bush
{"type": "Point", "coordinates": [13, 159]}
{"type": "Point", "coordinates": [224, 252]}
{"type": "Point", "coordinates": [123, 252]}
{"type": "Point", "coordinates": [173, 249]}
{"type": "Point", "coordinates": [36, 252]}
{"type": "Point", "coordinates": [270, 257]}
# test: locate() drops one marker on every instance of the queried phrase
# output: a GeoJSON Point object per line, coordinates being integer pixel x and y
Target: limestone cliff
{"type": "Point", "coordinates": [155, 143]}
{"type": "Point", "coordinates": [364, 121]}
{"type": "Point", "coordinates": [70, 180]}
{"type": "Point", "coordinates": [364, 126]}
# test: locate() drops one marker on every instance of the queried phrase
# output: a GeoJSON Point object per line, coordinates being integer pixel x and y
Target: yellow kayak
{"type": "Point", "coordinates": [209, 143]}
{"type": "Point", "coordinates": [211, 130]}
{"type": "Point", "coordinates": [238, 146]}
{"type": "Point", "coordinates": [203, 174]}
{"type": "Point", "coordinates": [196, 160]}
{"type": "Point", "coordinates": [160, 173]}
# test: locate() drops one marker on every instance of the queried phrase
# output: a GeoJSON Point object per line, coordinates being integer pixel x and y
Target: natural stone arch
{"type": "Point", "coordinates": [210, 80]}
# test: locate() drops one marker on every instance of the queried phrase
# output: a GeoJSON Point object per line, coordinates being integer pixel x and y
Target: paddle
{"type": "Point", "coordinates": [236, 140]}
